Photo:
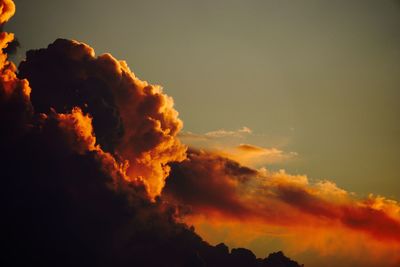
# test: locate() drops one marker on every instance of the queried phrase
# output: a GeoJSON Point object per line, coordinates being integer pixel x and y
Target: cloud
{"type": "Point", "coordinates": [72, 146]}
{"type": "Point", "coordinates": [220, 190]}
{"type": "Point", "coordinates": [86, 147]}
{"type": "Point", "coordinates": [131, 118]}
{"type": "Point", "coordinates": [230, 144]}
{"type": "Point", "coordinates": [223, 133]}
{"type": "Point", "coordinates": [252, 155]}
{"type": "Point", "coordinates": [251, 148]}
{"type": "Point", "coordinates": [7, 10]}
{"type": "Point", "coordinates": [15, 106]}
{"type": "Point", "coordinates": [187, 135]}
{"type": "Point", "coordinates": [235, 145]}
{"type": "Point", "coordinates": [217, 134]}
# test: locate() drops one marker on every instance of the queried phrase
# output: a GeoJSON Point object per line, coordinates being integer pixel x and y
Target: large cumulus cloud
{"type": "Point", "coordinates": [68, 195]}
{"type": "Point", "coordinates": [131, 118]}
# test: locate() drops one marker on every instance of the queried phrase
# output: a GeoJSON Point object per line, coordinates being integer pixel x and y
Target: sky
{"type": "Point", "coordinates": [318, 78]}
{"type": "Point", "coordinates": [308, 87]}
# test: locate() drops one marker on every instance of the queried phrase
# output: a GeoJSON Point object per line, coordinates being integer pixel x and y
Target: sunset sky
{"type": "Point", "coordinates": [304, 93]}
{"type": "Point", "coordinates": [319, 78]}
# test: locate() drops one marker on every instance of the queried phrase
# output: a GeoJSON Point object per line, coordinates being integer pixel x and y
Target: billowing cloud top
{"type": "Point", "coordinates": [84, 153]}
{"type": "Point", "coordinates": [131, 118]}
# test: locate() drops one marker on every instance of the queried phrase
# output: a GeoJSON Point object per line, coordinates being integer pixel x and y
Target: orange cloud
{"type": "Point", "coordinates": [252, 155]}
{"type": "Point", "coordinates": [219, 191]}
{"type": "Point", "coordinates": [15, 105]}
{"type": "Point", "coordinates": [132, 119]}
{"type": "Point", "coordinates": [7, 10]}
{"type": "Point", "coordinates": [151, 126]}
{"type": "Point", "coordinates": [65, 163]}
{"type": "Point", "coordinates": [79, 127]}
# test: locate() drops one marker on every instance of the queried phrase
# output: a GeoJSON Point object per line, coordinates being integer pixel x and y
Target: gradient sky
{"type": "Point", "coordinates": [319, 78]}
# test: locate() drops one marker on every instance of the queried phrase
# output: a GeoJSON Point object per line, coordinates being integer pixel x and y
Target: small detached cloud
{"type": "Point", "coordinates": [190, 136]}
{"type": "Point", "coordinates": [235, 145]}
{"type": "Point", "coordinates": [223, 133]}
{"type": "Point", "coordinates": [256, 155]}
{"type": "Point", "coordinates": [217, 134]}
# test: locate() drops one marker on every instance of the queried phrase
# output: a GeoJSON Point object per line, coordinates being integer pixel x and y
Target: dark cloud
{"type": "Point", "coordinates": [278, 259]}
{"type": "Point", "coordinates": [131, 118]}
{"type": "Point", "coordinates": [66, 201]}
{"type": "Point", "coordinates": [61, 206]}
{"type": "Point", "coordinates": [208, 181]}
{"type": "Point", "coordinates": [217, 187]}
{"type": "Point", "coordinates": [12, 47]}
{"type": "Point", "coordinates": [64, 76]}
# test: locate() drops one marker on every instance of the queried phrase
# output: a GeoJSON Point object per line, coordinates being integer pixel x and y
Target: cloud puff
{"type": "Point", "coordinates": [7, 10]}
{"type": "Point", "coordinates": [217, 134]}
{"type": "Point", "coordinates": [224, 133]}
{"type": "Point", "coordinates": [131, 118]}
{"type": "Point", "coordinates": [252, 155]}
